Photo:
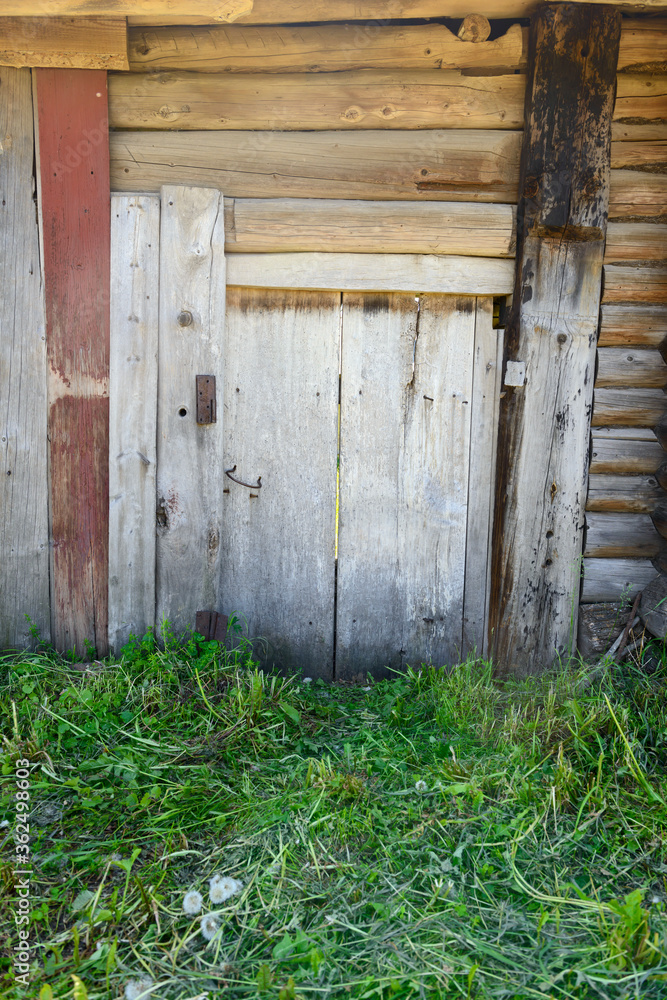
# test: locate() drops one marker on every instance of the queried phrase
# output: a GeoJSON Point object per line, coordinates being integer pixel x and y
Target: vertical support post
{"type": "Point", "coordinates": [74, 206]}
{"type": "Point", "coordinates": [544, 423]}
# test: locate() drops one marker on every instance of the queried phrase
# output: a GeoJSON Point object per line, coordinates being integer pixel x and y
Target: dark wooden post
{"type": "Point", "coordinates": [74, 207]}
{"type": "Point", "coordinates": [552, 331]}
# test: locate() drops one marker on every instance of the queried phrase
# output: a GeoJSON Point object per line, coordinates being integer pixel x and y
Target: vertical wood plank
{"type": "Point", "coordinates": [189, 470]}
{"type": "Point", "coordinates": [281, 407]}
{"type": "Point", "coordinates": [24, 531]}
{"type": "Point", "coordinates": [552, 330]}
{"type": "Point", "coordinates": [487, 371]}
{"type": "Point", "coordinates": [74, 204]}
{"type": "Point", "coordinates": [404, 455]}
{"type": "Point", "coordinates": [135, 234]}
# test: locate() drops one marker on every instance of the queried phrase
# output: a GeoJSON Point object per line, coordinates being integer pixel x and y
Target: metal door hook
{"type": "Point", "coordinates": [251, 486]}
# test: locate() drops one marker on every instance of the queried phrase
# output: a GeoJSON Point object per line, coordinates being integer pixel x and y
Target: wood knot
{"type": "Point", "coordinates": [352, 114]}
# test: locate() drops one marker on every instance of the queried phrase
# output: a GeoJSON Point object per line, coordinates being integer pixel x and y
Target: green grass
{"type": "Point", "coordinates": [441, 834]}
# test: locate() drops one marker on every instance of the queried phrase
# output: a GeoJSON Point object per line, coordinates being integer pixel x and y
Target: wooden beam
{"type": "Point", "coordinates": [442, 164]}
{"type": "Point", "coordinates": [643, 43]}
{"type": "Point", "coordinates": [639, 153]}
{"type": "Point", "coordinates": [637, 193]}
{"type": "Point", "coordinates": [212, 10]}
{"type": "Point", "coordinates": [615, 579]}
{"type": "Point", "coordinates": [639, 95]}
{"type": "Point", "coordinates": [358, 99]}
{"type": "Point", "coordinates": [319, 48]}
{"type": "Point", "coordinates": [628, 407]}
{"type": "Point", "coordinates": [64, 42]}
{"type": "Point", "coordinates": [24, 494]}
{"type": "Point", "coordinates": [373, 13]}
{"type": "Point", "coordinates": [629, 494]}
{"type": "Point", "coordinates": [552, 329]}
{"type": "Point", "coordinates": [611, 536]}
{"type": "Point", "coordinates": [635, 241]}
{"type": "Point", "coordinates": [640, 367]}
{"type": "Point", "coordinates": [299, 224]}
{"type": "Point", "coordinates": [625, 451]}
{"type": "Point", "coordinates": [74, 210]}
{"type": "Point", "coordinates": [375, 272]}
{"type": "Point", "coordinates": [635, 284]}
{"type": "Point", "coordinates": [652, 131]}
{"type": "Point", "coordinates": [632, 325]}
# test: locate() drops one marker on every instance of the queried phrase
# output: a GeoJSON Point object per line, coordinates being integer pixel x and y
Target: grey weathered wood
{"type": "Point", "coordinates": [135, 277]}
{"type": "Point", "coordinates": [628, 407]}
{"type": "Point", "coordinates": [630, 366]}
{"type": "Point", "coordinates": [24, 529]}
{"type": "Point", "coordinates": [552, 329]}
{"type": "Point", "coordinates": [599, 626]}
{"type": "Point", "coordinates": [615, 579]}
{"type": "Point", "coordinates": [373, 272]}
{"type": "Point", "coordinates": [281, 424]}
{"type": "Point", "coordinates": [628, 241]}
{"type": "Point", "coordinates": [625, 451]}
{"type": "Point", "coordinates": [406, 390]}
{"type": "Point", "coordinates": [641, 325]}
{"type": "Point", "coordinates": [632, 494]}
{"type": "Point", "coordinates": [485, 403]}
{"type": "Point", "coordinates": [189, 477]}
{"type": "Point", "coordinates": [635, 283]}
{"type": "Point", "coordinates": [479, 165]}
{"type": "Point", "coordinates": [621, 535]}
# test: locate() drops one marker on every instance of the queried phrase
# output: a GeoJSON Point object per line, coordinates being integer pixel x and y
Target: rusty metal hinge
{"type": "Point", "coordinates": [206, 399]}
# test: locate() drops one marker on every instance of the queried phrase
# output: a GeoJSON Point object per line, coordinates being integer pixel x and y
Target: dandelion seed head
{"type": "Point", "coordinates": [307, 680]}
{"type": "Point", "coordinates": [192, 902]}
{"type": "Point", "coordinates": [421, 786]}
{"type": "Point", "coordinates": [136, 988]}
{"type": "Point", "coordinates": [210, 926]}
{"type": "Point", "coordinates": [222, 887]}
{"type": "Point", "coordinates": [4, 824]}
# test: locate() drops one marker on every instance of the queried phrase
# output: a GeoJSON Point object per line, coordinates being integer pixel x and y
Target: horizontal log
{"type": "Point", "coordinates": [635, 325]}
{"type": "Point", "coordinates": [635, 241]}
{"type": "Point", "coordinates": [639, 367]}
{"type": "Point", "coordinates": [64, 42]}
{"type": "Point", "coordinates": [628, 407]}
{"type": "Point", "coordinates": [625, 451]}
{"type": "Point", "coordinates": [623, 494]}
{"type": "Point", "coordinates": [211, 10]}
{"type": "Point", "coordinates": [359, 99]}
{"type": "Point", "coordinates": [639, 153]}
{"type": "Point", "coordinates": [615, 579]}
{"type": "Point", "coordinates": [640, 95]}
{"type": "Point", "coordinates": [659, 516]}
{"type": "Point", "coordinates": [319, 48]}
{"type": "Point", "coordinates": [373, 272]}
{"type": "Point", "coordinates": [635, 284]}
{"type": "Point", "coordinates": [452, 165]}
{"type": "Point", "coordinates": [299, 225]}
{"type": "Point", "coordinates": [651, 131]}
{"type": "Point", "coordinates": [637, 193]}
{"type": "Point", "coordinates": [599, 625]}
{"type": "Point", "coordinates": [611, 536]}
{"type": "Point", "coordinates": [643, 42]}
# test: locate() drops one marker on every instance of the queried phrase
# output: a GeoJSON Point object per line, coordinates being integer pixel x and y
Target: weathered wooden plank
{"type": "Point", "coordinates": [635, 241]}
{"type": "Point", "coordinates": [635, 325]}
{"type": "Point", "coordinates": [485, 405]}
{"type": "Point", "coordinates": [552, 329]}
{"type": "Point", "coordinates": [319, 48]}
{"type": "Point", "coordinates": [65, 43]}
{"type": "Point", "coordinates": [135, 276]}
{"type": "Point", "coordinates": [406, 389]}
{"type": "Point", "coordinates": [276, 225]}
{"type": "Point", "coordinates": [376, 272]}
{"type": "Point", "coordinates": [451, 165]}
{"type": "Point", "coordinates": [640, 368]}
{"type": "Point", "coordinates": [640, 95]}
{"type": "Point", "coordinates": [281, 424]}
{"type": "Point", "coordinates": [643, 43]}
{"type": "Point", "coordinates": [617, 536]}
{"type": "Point", "coordinates": [638, 153]}
{"type": "Point", "coordinates": [24, 495]}
{"type": "Point", "coordinates": [615, 579]}
{"type": "Point", "coordinates": [625, 451]}
{"type": "Point", "coordinates": [635, 284]}
{"type": "Point", "coordinates": [74, 211]}
{"type": "Point", "coordinates": [642, 131]}
{"type": "Point", "coordinates": [212, 10]}
{"type": "Point", "coordinates": [637, 193]}
{"type": "Point", "coordinates": [190, 464]}
{"type": "Point", "coordinates": [350, 100]}
{"type": "Point", "coordinates": [628, 407]}
{"type": "Point", "coordinates": [599, 625]}
{"type": "Point", "coordinates": [630, 494]}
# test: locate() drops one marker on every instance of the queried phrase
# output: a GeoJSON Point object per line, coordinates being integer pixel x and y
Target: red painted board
{"type": "Point", "coordinates": [74, 205]}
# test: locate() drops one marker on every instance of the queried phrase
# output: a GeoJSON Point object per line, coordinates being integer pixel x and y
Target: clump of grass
{"type": "Point", "coordinates": [440, 834]}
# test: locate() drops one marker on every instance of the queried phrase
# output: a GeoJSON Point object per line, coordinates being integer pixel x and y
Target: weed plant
{"type": "Point", "coordinates": [438, 835]}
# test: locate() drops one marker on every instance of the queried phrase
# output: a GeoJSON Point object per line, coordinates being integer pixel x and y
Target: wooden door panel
{"type": "Point", "coordinates": [406, 396]}
{"type": "Point", "coordinates": [280, 424]}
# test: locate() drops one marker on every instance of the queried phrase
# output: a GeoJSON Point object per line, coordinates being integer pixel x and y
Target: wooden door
{"type": "Point", "coordinates": [342, 501]}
